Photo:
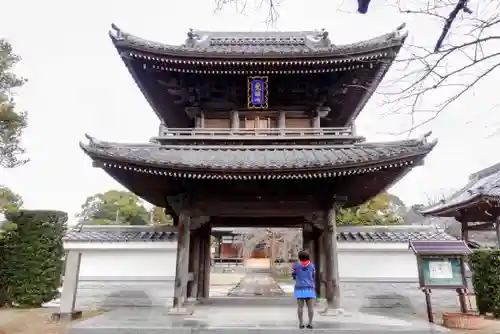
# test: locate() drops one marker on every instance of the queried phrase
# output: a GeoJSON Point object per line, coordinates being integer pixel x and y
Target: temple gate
{"type": "Point", "coordinates": [257, 130]}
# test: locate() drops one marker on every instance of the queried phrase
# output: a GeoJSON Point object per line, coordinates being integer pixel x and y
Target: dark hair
{"type": "Point", "coordinates": [303, 256]}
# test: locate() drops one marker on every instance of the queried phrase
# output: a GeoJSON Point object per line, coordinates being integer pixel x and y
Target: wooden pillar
{"type": "Point", "coordinates": [201, 263]}
{"type": "Point", "coordinates": [202, 119]}
{"type": "Point", "coordinates": [316, 121]}
{"type": "Point", "coordinates": [307, 239]}
{"type": "Point", "coordinates": [235, 119]}
{"type": "Point", "coordinates": [317, 259]}
{"type": "Point", "coordinates": [464, 231]}
{"type": "Point", "coordinates": [282, 120]}
{"type": "Point", "coordinates": [331, 259]}
{"type": "Point", "coordinates": [182, 263]}
{"type": "Point", "coordinates": [219, 246]}
{"type": "Point", "coordinates": [208, 259]}
{"type": "Point", "coordinates": [322, 261]}
{"type": "Point", "coordinates": [194, 263]}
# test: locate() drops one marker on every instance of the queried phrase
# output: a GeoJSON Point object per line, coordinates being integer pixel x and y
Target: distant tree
{"type": "Point", "coordinates": [413, 215]}
{"type": "Point", "coordinates": [114, 207]}
{"type": "Point", "coordinates": [158, 217]}
{"type": "Point", "coordinates": [383, 209]}
{"type": "Point", "coordinates": [9, 201]}
{"type": "Point", "coordinates": [12, 121]}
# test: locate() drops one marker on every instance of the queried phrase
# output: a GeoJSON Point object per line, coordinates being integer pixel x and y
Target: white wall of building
{"type": "Point", "coordinates": [142, 273]}
{"type": "Point", "coordinates": [125, 273]}
{"type": "Point", "coordinates": [377, 266]}
{"type": "Point", "coordinates": [127, 264]}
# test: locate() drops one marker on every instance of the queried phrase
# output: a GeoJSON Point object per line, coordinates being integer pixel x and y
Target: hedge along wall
{"type": "Point", "coordinates": [485, 266]}
{"type": "Point", "coordinates": [3, 285]}
{"type": "Point", "coordinates": [33, 256]}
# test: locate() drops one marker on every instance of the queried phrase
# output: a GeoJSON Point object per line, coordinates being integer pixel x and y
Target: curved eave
{"type": "Point", "coordinates": [128, 42]}
{"type": "Point", "coordinates": [454, 209]}
{"type": "Point", "coordinates": [329, 167]}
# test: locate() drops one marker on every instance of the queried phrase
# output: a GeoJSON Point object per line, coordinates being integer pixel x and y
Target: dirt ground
{"type": "Point", "coordinates": [33, 321]}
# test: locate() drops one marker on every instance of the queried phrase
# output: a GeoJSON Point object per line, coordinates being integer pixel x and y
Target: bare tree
{"type": "Point", "coordinates": [242, 5]}
{"type": "Point", "coordinates": [427, 79]}
{"type": "Point", "coordinates": [430, 78]}
{"type": "Point", "coordinates": [281, 243]}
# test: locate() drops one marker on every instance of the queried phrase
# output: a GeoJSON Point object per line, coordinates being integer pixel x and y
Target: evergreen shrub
{"type": "Point", "coordinates": [485, 267]}
{"type": "Point", "coordinates": [33, 256]}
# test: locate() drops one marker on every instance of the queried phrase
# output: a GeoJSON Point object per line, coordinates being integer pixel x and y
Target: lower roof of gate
{"type": "Point", "coordinates": [157, 158]}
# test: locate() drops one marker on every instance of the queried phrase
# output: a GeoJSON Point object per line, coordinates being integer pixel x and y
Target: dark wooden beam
{"type": "Point", "coordinates": [331, 259]}
{"type": "Point", "coordinates": [262, 222]}
{"type": "Point", "coordinates": [256, 208]}
{"type": "Point", "coordinates": [182, 263]}
{"type": "Point", "coordinates": [316, 257]}
{"type": "Point", "coordinates": [194, 263]}
{"type": "Point", "coordinates": [207, 253]}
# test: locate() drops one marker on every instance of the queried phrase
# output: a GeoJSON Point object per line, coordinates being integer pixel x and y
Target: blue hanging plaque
{"type": "Point", "coordinates": [257, 93]}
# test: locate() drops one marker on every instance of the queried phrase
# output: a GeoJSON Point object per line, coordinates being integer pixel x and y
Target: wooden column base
{"type": "Point", "coordinates": [332, 312]}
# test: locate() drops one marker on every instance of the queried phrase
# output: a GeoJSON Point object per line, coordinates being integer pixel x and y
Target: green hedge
{"type": "Point", "coordinates": [33, 256]}
{"type": "Point", "coordinates": [3, 263]}
{"type": "Point", "coordinates": [485, 267]}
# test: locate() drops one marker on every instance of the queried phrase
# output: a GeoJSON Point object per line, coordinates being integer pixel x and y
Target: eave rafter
{"type": "Point", "coordinates": [245, 175]}
{"type": "Point", "coordinates": [256, 66]}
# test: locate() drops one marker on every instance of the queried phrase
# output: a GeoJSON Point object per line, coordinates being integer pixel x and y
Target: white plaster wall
{"type": "Point", "coordinates": [127, 264]}
{"type": "Point", "coordinates": [133, 277]}
{"type": "Point", "coordinates": [377, 266]}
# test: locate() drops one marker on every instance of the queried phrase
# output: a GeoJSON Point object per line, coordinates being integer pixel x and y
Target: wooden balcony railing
{"type": "Point", "coordinates": [252, 133]}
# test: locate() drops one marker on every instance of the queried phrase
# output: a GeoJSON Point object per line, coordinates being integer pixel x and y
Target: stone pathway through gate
{"type": "Point", "coordinates": [257, 284]}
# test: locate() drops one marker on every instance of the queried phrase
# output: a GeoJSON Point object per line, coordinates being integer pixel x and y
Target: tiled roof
{"type": "Point", "coordinates": [483, 184]}
{"type": "Point", "coordinates": [259, 44]}
{"type": "Point", "coordinates": [436, 247]}
{"type": "Point", "coordinates": [392, 236]}
{"type": "Point", "coordinates": [118, 236]}
{"type": "Point", "coordinates": [365, 234]}
{"type": "Point", "coordinates": [256, 158]}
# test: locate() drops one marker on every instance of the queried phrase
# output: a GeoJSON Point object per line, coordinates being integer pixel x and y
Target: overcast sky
{"type": "Point", "coordinates": [78, 84]}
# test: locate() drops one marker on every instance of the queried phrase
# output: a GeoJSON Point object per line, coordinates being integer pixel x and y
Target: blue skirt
{"type": "Point", "coordinates": [304, 293]}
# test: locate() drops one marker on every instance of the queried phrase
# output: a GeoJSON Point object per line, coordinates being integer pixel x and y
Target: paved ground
{"type": "Point", "coordinates": [255, 305]}
{"type": "Point", "coordinates": [250, 319]}
{"type": "Point", "coordinates": [237, 313]}
{"type": "Point", "coordinates": [258, 284]}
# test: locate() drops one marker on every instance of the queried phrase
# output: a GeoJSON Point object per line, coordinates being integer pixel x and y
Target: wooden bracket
{"type": "Point", "coordinates": [197, 222]}
{"type": "Point", "coordinates": [316, 219]}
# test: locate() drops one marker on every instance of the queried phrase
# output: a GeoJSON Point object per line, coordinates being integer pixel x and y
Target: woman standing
{"type": "Point", "coordinates": [303, 272]}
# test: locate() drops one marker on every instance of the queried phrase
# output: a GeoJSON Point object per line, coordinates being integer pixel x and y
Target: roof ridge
{"type": "Point", "coordinates": [313, 43]}
{"type": "Point", "coordinates": [485, 172]}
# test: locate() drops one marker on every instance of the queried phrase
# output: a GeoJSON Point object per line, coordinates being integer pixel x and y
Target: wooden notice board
{"type": "Point", "coordinates": [442, 272]}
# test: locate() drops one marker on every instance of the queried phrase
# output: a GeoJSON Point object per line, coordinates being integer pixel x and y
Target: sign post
{"type": "Point", "coordinates": [441, 265]}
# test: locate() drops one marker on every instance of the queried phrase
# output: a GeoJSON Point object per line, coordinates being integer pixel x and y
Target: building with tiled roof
{"type": "Point", "coordinates": [257, 129]}
{"type": "Point", "coordinates": [135, 265]}
{"type": "Point", "coordinates": [476, 207]}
